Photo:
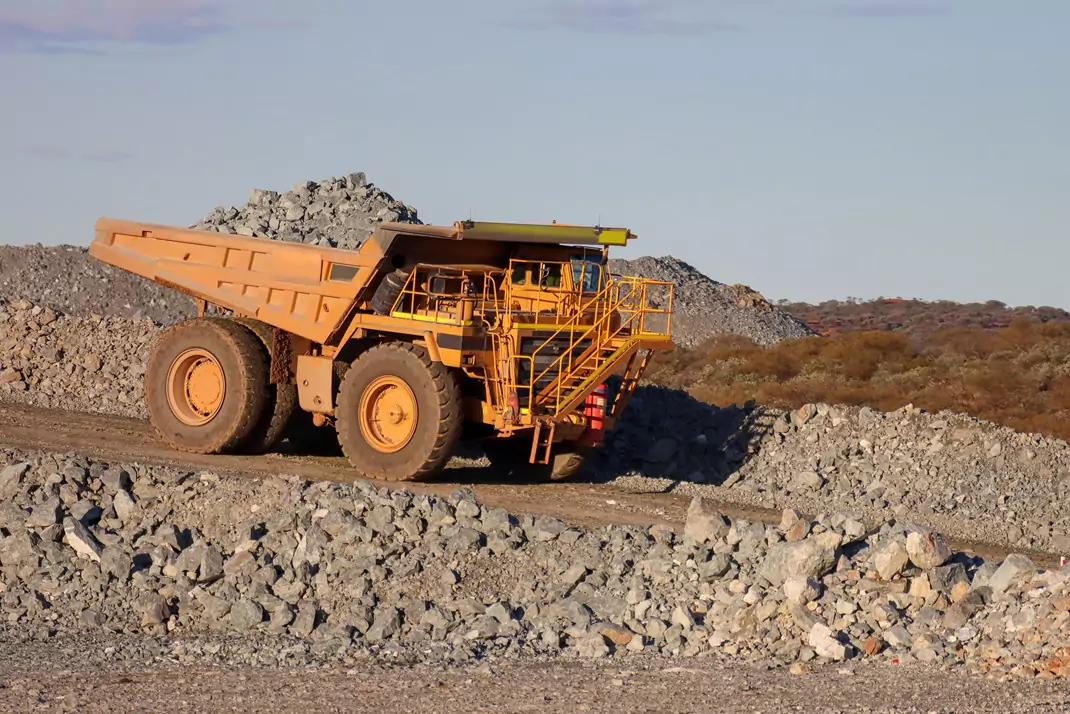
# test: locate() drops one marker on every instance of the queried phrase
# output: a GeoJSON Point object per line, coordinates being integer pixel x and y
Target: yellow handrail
{"type": "Point", "coordinates": [627, 298]}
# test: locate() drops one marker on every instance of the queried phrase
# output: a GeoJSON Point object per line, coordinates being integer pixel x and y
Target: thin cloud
{"type": "Point", "coordinates": [47, 152]}
{"type": "Point", "coordinates": [624, 17]}
{"type": "Point", "coordinates": [92, 26]}
{"type": "Point", "coordinates": [876, 9]}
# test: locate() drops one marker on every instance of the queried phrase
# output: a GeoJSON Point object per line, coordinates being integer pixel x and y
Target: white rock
{"type": "Point", "coordinates": [81, 540]}
{"type": "Point", "coordinates": [825, 643]}
{"type": "Point", "coordinates": [927, 550]}
{"type": "Point", "coordinates": [802, 590]}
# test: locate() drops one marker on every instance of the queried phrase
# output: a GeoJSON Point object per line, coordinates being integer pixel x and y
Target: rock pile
{"type": "Point", "coordinates": [704, 307]}
{"type": "Point", "coordinates": [970, 478]}
{"type": "Point", "coordinates": [90, 364]}
{"type": "Point", "coordinates": [87, 545]}
{"type": "Point", "coordinates": [337, 212]}
{"type": "Point", "coordinates": [67, 280]}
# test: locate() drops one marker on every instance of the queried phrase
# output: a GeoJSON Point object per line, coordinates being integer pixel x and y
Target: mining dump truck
{"type": "Point", "coordinates": [515, 335]}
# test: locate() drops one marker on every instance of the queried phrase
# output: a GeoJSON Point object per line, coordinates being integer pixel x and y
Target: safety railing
{"type": "Point", "coordinates": [613, 321]}
{"type": "Point", "coordinates": [592, 318]}
{"type": "Point", "coordinates": [650, 301]}
{"type": "Point", "coordinates": [449, 296]}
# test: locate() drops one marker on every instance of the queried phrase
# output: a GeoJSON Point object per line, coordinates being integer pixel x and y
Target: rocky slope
{"type": "Point", "coordinates": [357, 570]}
{"type": "Point", "coordinates": [704, 307]}
{"type": "Point", "coordinates": [90, 364]}
{"type": "Point", "coordinates": [67, 280]}
{"type": "Point", "coordinates": [976, 480]}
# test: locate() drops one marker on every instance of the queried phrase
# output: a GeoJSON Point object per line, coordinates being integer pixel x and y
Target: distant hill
{"type": "Point", "coordinates": [918, 317]}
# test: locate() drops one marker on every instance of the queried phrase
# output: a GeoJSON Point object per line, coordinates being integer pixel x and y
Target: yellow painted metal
{"type": "Point", "coordinates": [388, 414]}
{"type": "Point", "coordinates": [288, 285]}
{"type": "Point", "coordinates": [315, 383]}
{"type": "Point", "coordinates": [429, 318]}
{"type": "Point", "coordinates": [616, 322]}
{"type": "Point", "coordinates": [552, 233]}
{"type": "Point", "coordinates": [195, 387]}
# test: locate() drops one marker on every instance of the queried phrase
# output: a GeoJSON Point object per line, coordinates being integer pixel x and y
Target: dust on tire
{"type": "Point", "coordinates": [241, 360]}
{"type": "Point", "coordinates": [438, 400]}
{"type": "Point", "coordinates": [281, 400]}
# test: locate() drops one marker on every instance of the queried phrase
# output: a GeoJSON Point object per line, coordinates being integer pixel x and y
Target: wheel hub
{"type": "Point", "coordinates": [388, 414]}
{"type": "Point", "coordinates": [195, 387]}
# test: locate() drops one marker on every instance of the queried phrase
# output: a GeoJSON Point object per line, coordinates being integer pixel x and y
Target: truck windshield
{"type": "Point", "coordinates": [587, 273]}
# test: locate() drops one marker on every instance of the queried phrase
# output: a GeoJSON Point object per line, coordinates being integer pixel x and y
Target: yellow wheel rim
{"type": "Point", "coordinates": [388, 414]}
{"type": "Point", "coordinates": [195, 387]}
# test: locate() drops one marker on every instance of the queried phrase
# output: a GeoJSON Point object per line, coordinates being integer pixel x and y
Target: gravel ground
{"type": "Point", "coordinates": [109, 674]}
{"type": "Point", "coordinates": [966, 477]}
{"type": "Point", "coordinates": [969, 479]}
{"type": "Point", "coordinates": [332, 574]}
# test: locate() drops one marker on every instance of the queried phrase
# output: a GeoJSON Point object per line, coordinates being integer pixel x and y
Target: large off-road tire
{"type": "Point", "coordinates": [281, 402]}
{"type": "Point", "coordinates": [399, 414]}
{"type": "Point", "coordinates": [206, 385]}
{"type": "Point", "coordinates": [511, 458]}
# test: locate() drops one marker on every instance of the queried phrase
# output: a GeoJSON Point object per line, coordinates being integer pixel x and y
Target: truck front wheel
{"type": "Point", "coordinates": [399, 414]}
{"type": "Point", "coordinates": [206, 385]}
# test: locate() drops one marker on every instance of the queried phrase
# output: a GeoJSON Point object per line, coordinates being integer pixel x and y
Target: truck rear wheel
{"type": "Point", "coordinates": [511, 457]}
{"type": "Point", "coordinates": [399, 413]}
{"type": "Point", "coordinates": [206, 385]}
{"type": "Point", "coordinates": [281, 402]}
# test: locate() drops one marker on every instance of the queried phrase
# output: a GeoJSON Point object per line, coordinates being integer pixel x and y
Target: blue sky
{"type": "Point", "coordinates": [812, 149]}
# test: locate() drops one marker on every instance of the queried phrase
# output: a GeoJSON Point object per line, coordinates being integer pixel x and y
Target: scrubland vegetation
{"type": "Point", "coordinates": [1018, 376]}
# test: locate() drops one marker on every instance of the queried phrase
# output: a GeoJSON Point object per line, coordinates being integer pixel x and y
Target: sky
{"type": "Point", "coordinates": [812, 149]}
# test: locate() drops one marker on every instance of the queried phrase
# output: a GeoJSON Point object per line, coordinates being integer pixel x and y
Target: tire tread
{"type": "Point", "coordinates": [447, 393]}
{"type": "Point", "coordinates": [252, 375]}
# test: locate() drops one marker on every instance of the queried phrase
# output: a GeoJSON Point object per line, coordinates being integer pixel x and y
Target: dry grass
{"type": "Point", "coordinates": [1018, 376]}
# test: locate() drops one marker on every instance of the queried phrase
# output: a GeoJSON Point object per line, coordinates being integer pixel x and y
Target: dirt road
{"type": "Point", "coordinates": [115, 438]}
{"type": "Point", "coordinates": [579, 503]}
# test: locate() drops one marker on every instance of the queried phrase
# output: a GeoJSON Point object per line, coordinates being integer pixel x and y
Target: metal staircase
{"type": "Point", "coordinates": [605, 333]}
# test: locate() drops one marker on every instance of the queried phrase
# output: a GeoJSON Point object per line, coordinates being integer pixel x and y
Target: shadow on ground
{"type": "Point", "coordinates": [668, 434]}
{"type": "Point", "coordinates": [663, 434]}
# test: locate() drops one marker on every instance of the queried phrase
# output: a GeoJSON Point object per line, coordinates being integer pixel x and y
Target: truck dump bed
{"type": "Point", "coordinates": [304, 289]}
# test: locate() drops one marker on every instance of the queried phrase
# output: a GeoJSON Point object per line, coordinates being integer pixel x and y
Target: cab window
{"type": "Point", "coordinates": [550, 276]}
{"type": "Point", "coordinates": [520, 275]}
{"type": "Point", "coordinates": [587, 273]}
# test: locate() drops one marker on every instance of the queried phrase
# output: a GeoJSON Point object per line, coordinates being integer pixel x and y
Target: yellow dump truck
{"type": "Point", "coordinates": [505, 333]}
